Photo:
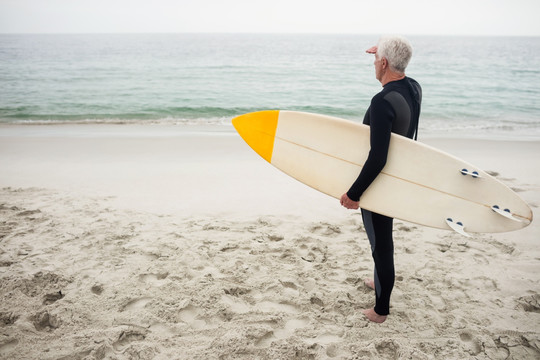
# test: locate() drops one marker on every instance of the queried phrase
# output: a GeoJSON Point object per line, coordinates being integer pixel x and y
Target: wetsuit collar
{"type": "Point", "coordinates": [395, 81]}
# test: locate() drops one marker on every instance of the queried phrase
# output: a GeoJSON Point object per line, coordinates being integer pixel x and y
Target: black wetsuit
{"type": "Point", "coordinates": [395, 109]}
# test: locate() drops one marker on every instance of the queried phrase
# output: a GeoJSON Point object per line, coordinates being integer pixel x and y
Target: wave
{"type": "Point", "coordinates": [180, 115]}
{"type": "Point", "coordinates": [432, 123]}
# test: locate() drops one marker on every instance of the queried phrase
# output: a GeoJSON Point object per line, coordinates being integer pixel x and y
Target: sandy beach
{"type": "Point", "coordinates": [171, 242]}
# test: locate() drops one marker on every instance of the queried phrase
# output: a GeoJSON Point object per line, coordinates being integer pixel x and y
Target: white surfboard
{"type": "Point", "coordinates": [419, 184]}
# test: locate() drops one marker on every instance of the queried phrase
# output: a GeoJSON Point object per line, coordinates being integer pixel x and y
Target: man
{"type": "Point", "coordinates": [395, 109]}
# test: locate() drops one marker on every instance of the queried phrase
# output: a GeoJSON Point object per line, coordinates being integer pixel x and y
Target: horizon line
{"type": "Point", "coordinates": [262, 33]}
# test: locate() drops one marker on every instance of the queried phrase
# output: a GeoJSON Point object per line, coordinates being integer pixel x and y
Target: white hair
{"type": "Point", "coordinates": [396, 50]}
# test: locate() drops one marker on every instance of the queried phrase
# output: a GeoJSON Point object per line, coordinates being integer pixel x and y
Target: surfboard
{"type": "Point", "coordinates": [419, 183]}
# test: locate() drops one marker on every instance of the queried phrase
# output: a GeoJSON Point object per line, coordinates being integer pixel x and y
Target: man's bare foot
{"type": "Point", "coordinates": [373, 316]}
{"type": "Point", "coordinates": [369, 283]}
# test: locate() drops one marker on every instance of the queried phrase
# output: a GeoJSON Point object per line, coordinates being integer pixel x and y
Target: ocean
{"type": "Point", "coordinates": [472, 86]}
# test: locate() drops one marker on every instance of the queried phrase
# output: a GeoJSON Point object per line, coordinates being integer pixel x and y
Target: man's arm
{"type": "Point", "coordinates": [381, 115]}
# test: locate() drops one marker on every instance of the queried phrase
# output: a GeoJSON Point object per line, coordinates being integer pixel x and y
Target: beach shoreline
{"type": "Point", "coordinates": [175, 242]}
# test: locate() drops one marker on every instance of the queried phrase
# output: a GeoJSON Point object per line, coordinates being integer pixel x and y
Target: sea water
{"type": "Point", "coordinates": [472, 86]}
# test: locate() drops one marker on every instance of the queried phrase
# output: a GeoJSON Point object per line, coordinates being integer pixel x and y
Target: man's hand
{"type": "Point", "coordinates": [348, 203]}
{"type": "Point", "coordinates": [372, 50]}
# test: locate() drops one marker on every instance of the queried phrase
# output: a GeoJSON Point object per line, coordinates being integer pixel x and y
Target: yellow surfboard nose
{"type": "Point", "coordinates": [258, 130]}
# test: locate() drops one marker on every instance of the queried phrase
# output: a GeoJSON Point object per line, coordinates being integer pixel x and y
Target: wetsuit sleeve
{"type": "Point", "coordinates": [381, 116]}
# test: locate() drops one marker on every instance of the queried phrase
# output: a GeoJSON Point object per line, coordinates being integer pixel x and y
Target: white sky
{"type": "Point", "coordinates": [410, 17]}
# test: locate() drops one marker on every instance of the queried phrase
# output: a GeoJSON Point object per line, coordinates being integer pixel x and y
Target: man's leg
{"type": "Point", "coordinates": [379, 231]}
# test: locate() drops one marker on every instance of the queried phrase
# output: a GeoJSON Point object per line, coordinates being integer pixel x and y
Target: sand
{"type": "Point", "coordinates": [164, 242]}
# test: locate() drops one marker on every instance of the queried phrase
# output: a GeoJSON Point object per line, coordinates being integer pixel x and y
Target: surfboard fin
{"type": "Point", "coordinates": [506, 213]}
{"type": "Point", "coordinates": [474, 174]}
{"type": "Point", "coordinates": [457, 227]}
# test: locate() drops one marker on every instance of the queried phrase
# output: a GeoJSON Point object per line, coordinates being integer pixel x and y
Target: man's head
{"type": "Point", "coordinates": [396, 51]}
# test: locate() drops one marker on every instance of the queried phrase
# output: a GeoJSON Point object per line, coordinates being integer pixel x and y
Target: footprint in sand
{"type": "Point", "coordinates": [135, 304]}
{"type": "Point", "coordinates": [272, 307]}
{"type": "Point", "coordinates": [128, 336]}
{"type": "Point", "coordinates": [191, 316]}
{"type": "Point", "coordinates": [290, 287]}
{"type": "Point", "coordinates": [325, 229]}
{"type": "Point", "coordinates": [530, 303]}
{"type": "Point", "coordinates": [52, 297]}
{"type": "Point", "coordinates": [236, 291]}
{"type": "Point", "coordinates": [43, 321]}
{"type": "Point", "coordinates": [335, 350]}
{"type": "Point", "coordinates": [97, 289]}
{"type": "Point", "coordinates": [163, 330]}
{"type": "Point", "coordinates": [474, 346]}
{"type": "Point", "coordinates": [312, 254]}
{"type": "Point", "coordinates": [8, 318]}
{"type": "Point", "coordinates": [387, 349]}
{"type": "Point", "coordinates": [284, 332]}
{"type": "Point", "coordinates": [153, 279]}
{"type": "Point", "coordinates": [504, 248]}
{"type": "Point", "coordinates": [7, 346]}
